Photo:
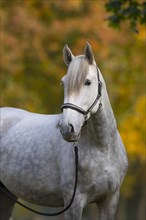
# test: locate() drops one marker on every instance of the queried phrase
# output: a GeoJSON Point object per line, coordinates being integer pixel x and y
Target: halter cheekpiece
{"type": "Point", "coordinates": [79, 109]}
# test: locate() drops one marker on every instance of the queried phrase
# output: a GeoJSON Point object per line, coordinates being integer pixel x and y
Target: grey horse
{"type": "Point", "coordinates": [37, 156]}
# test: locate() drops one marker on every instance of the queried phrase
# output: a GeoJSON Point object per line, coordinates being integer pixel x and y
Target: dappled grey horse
{"type": "Point", "coordinates": [37, 156]}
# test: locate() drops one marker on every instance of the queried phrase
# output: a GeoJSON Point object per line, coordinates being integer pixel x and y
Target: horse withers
{"type": "Point", "coordinates": [37, 156]}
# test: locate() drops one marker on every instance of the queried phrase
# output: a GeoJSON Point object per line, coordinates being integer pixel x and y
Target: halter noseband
{"type": "Point", "coordinates": [82, 111]}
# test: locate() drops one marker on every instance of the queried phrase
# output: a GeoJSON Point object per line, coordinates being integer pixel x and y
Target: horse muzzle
{"type": "Point", "coordinates": [68, 132]}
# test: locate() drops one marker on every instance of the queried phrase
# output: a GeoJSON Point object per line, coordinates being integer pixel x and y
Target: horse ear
{"type": "Point", "coordinates": [89, 53]}
{"type": "Point", "coordinates": [67, 55]}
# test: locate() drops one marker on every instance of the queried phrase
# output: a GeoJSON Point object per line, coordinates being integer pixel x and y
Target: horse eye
{"type": "Point", "coordinates": [87, 82]}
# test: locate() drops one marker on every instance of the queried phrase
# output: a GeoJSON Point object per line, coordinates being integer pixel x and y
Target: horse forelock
{"type": "Point", "coordinates": [77, 73]}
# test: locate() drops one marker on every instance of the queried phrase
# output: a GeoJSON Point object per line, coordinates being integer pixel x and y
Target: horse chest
{"type": "Point", "coordinates": [97, 179]}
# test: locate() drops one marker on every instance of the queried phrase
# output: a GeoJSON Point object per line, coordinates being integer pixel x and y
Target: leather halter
{"type": "Point", "coordinates": [79, 109]}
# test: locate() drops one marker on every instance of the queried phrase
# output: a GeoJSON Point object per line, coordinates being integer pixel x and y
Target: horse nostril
{"type": "Point", "coordinates": [71, 130]}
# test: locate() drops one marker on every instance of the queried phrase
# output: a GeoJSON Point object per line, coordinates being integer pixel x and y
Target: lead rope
{"type": "Point", "coordinates": [73, 195]}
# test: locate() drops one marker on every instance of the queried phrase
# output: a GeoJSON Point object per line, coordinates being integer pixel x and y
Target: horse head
{"type": "Point", "coordinates": [82, 92]}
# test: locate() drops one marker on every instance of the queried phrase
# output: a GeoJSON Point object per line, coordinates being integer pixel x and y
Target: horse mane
{"type": "Point", "coordinates": [77, 73]}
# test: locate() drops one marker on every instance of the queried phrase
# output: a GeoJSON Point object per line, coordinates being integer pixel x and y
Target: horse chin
{"type": "Point", "coordinates": [71, 138]}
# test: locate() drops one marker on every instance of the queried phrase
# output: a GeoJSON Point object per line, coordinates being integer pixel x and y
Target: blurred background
{"type": "Point", "coordinates": [33, 33]}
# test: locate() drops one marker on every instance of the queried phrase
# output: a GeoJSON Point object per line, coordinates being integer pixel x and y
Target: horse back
{"type": "Point", "coordinates": [10, 117]}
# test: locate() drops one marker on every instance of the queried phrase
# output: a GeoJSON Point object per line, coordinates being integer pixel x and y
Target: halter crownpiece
{"type": "Point", "coordinates": [79, 109]}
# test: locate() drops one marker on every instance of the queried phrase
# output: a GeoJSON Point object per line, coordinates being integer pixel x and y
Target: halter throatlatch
{"type": "Point", "coordinates": [82, 111]}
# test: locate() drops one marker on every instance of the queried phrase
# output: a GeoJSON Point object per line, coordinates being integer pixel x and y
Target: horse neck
{"type": "Point", "coordinates": [101, 126]}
